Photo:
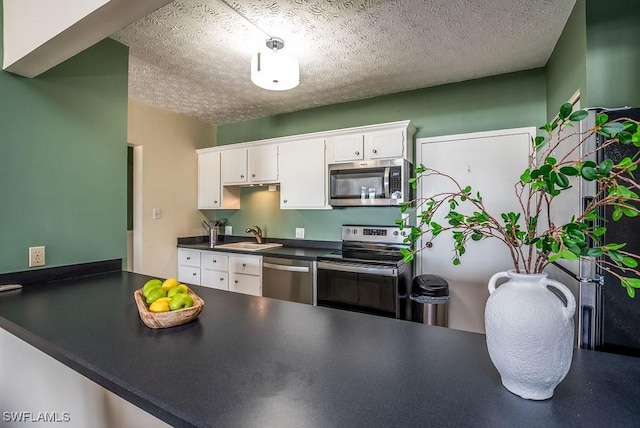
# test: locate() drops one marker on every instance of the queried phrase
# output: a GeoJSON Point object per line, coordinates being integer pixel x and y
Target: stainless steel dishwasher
{"type": "Point", "coordinates": [289, 279]}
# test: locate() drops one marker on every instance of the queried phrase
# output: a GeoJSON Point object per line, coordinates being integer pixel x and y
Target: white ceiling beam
{"type": "Point", "coordinates": [39, 35]}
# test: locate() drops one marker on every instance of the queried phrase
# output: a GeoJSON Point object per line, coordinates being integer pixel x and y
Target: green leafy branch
{"type": "Point", "coordinates": [532, 245]}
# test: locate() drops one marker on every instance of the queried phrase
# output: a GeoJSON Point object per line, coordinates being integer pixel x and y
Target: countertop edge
{"type": "Point", "coordinates": [116, 386]}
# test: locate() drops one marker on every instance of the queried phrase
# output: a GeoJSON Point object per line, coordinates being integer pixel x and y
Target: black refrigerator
{"type": "Point", "coordinates": [607, 319]}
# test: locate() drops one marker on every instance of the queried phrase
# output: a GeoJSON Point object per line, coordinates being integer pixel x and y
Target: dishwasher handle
{"type": "Point", "coordinates": [287, 268]}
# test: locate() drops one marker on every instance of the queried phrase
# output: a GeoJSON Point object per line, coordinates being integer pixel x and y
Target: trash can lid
{"type": "Point", "coordinates": [429, 300]}
{"type": "Point", "coordinates": [429, 286]}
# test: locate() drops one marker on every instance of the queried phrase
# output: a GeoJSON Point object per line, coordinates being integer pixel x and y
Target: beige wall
{"type": "Point", "coordinates": [166, 177]}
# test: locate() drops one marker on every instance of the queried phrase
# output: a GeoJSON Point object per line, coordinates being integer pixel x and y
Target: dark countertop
{"type": "Point", "coordinates": [292, 249]}
{"type": "Point", "coordinates": [252, 361]}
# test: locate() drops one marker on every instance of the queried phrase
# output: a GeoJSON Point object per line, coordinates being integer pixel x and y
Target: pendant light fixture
{"type": "Point", "coordinates": [273, 70]}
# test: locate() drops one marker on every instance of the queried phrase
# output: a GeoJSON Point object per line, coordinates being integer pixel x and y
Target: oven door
{"type": "Point", "coordinates": [358, 287]}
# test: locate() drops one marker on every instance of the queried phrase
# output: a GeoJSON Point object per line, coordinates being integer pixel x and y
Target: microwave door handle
{"type": "Point", "coordinates": [386, 183]}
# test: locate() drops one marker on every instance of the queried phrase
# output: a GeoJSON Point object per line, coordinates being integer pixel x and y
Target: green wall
{"type": "Point", "coordinates": [499, 102]}
{"type": "Point", "coordinates": [613, 52]}
{"type": "Point", "coordinates": [505, 101]}
{"type": "Point", "coordinates": [566, 69]}
{"type": "Point", "coordinates": [63, 158]}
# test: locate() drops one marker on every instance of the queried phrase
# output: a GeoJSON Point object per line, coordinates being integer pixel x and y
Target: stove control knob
{"type": "Point", "coordinates": [395, 233]}
{"type": "Point", "coordinates": [355, 231]}
{"type": "Point", "coordinates": [403, 233]}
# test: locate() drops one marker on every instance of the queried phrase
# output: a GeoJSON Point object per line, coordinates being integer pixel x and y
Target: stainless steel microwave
{"type": "Point", "coordinates": [369, 183]}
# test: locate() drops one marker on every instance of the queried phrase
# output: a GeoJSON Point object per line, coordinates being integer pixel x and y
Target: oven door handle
{"type": "Point", "coordinates": [341, 267]}
{"type": "Point", "coordinates": [386, 190]}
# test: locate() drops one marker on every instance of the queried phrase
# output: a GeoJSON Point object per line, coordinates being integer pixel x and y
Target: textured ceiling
{"type": "Point", "coordinates": [193, 56]}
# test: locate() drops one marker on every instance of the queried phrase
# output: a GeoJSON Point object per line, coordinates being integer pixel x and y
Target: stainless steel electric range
{"type": "Point", "coordinates": [368, 275]}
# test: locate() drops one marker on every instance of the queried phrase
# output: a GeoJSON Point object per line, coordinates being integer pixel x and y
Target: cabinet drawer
{"type": "Point", "coordinates": [215, 279]}
{"type": "Point", "coordinates": [188, 258]}
{"type": "Point", "coordinates": [245, 264]}
{"type": "Point", "coordinates": [214, 261]}
{"type": "Point", "coordinates": [189, 275]}
{"type": "Point", "coordinates": [245, 284]}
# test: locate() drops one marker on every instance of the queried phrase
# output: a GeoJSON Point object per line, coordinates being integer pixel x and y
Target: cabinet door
{"type": "Point", "coordinates": [263, 163]}
{"type": "Point", "coordinates": [347, 147]}
{"type": "Point", "coordinates": [234, 166]}
{"type": "Point", "coordinates": [303, 172]}
{"type": "Point", "coordinates": [214, 261]}
{"type": "Point", "coordinates": [250, 265]}
{"type": "Point", "coordinates": [209, 180]}
{"type": "Point", "coordinates": [188, 258]}
{"type": "Point", "coordinates": [384, 144]}
{"type": "Point", "coordinates": [214, 279]}
{"type": "Point", "coordinates": [245, 284]}
{"type": "Point", "coordinates": [189, 275]}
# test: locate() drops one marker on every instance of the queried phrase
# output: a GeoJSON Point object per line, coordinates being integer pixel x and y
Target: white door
{"type": "Point", "coordinates": [490, 162]}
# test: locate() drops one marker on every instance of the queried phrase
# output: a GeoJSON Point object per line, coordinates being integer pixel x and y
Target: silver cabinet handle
{"type": "Point", "coordinates": [253, 175]}
{"type": "Point", "coordinates": [357, 153]}
{"type": "Point", "coordinates": [375, 151]}
{"type": "Point", "coordinates": [236, 281]}
{"type": "Point", "coordinates": [222, 279]}
{"type": "Point", "coordinates": [241, 175]}
{"type": "Point", "coordinates": [285, 201]}
{"type": "Point", "coordinates": [194, 274]}
{"type": "Point", "coordinates": [214, 261]}
{"type": "Point", "coordinates": [244, 265]}
{"type": "Point", "coordinates": [188, 258]}
{"type": "Point", "coordinates": [215, 202]}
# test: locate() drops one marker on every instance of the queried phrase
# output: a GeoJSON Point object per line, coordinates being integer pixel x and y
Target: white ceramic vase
{"type": "Point", "coordinates": [529, 332]}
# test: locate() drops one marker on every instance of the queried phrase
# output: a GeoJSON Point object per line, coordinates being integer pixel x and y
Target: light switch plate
{"type": "Point", "coordinates": [299, 232]}
{"type": "Point", "coordinates": [156, 213]}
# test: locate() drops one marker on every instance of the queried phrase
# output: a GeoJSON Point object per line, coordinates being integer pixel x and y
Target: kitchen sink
{"type": "Point", "coordinates": [249, 246]}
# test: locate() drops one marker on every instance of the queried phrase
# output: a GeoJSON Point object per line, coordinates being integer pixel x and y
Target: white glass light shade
{"type": "Point", "coordinates": [275, 71]}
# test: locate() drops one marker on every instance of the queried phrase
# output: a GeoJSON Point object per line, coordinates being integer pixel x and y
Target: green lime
{"type": "Point", "coordinates": [155, 294]}
{"type": "Point", "coordinates": [175, 290]}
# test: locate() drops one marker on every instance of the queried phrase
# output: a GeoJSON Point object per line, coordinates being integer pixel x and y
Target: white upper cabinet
{"type": "Point", "coordinates": [385, 144]}
{"type": "Point", "coordinates": [303, 170]}
{"type": "Point", "coordinates": [234, 166]}
{"type": "Point", "coordinates": [211, 194]}
{"type": "Point", "coordinates": [209, 186]}
{"type": "Point", "coordinates": [384, 141]}
{"type": "Point", "coordinates": [347, 147]}
{"type": "Point", "coordinates": [263, 163]}
{"type": "Point", "coordinates": [297, 162]}
{"type": "Point", "coordinates": [248, 165]}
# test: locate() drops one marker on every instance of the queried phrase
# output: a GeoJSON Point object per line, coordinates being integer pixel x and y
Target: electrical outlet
{"type": "Point", "coordinates": [300, 232]}
{"type": "Point", "coordinates": [228, 230]}
{"type": "Point", "coordinates": [36, 256]}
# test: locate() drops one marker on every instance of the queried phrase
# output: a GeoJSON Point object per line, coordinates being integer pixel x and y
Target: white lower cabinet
{"type": "Point", "coordinates": [224, 271]}
{"type": "Point", "coordinates": [214, 270]}
{"type": "Point", "coordinates": [245, 274]}
{"type": "Point", "coordinates": [189, 266]}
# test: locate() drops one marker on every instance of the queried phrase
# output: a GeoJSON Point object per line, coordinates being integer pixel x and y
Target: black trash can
{"type": "Point", "coordinates": [430, 300]}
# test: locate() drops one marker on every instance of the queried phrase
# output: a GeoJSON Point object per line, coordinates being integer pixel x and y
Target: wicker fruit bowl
{"type": "Point", "coordinates": [171, 318]}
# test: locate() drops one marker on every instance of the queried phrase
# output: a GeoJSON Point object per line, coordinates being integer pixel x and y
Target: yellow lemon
{"type": "Point", "coordinates": [169, 283]}
{"type": "Point", "coordinates": [159, 305]}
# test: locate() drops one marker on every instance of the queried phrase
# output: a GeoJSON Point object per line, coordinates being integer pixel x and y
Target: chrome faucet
{"type": "Point", "coordinates": [256, 232]}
